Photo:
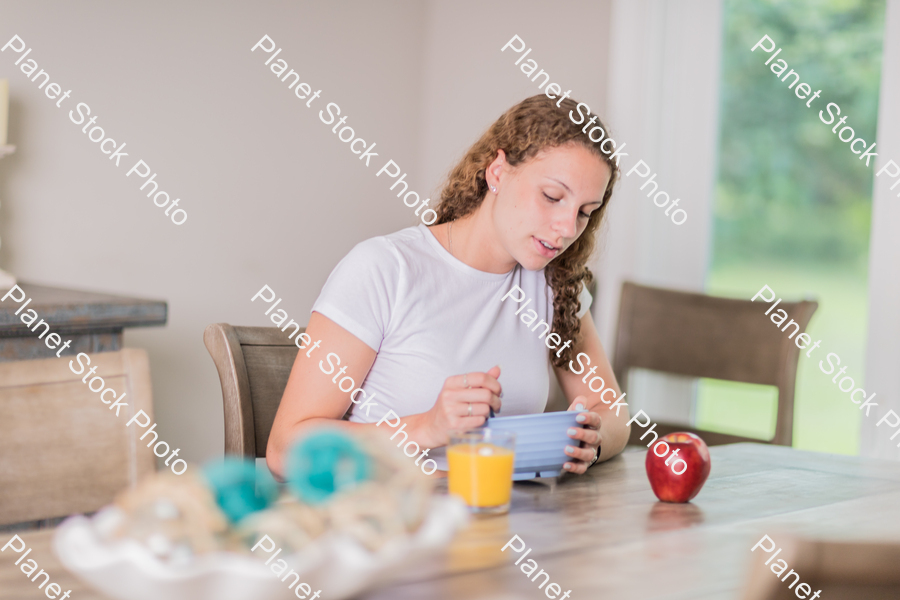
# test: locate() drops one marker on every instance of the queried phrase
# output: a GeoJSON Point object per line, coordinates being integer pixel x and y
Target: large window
{"type": "Point", "coordinates": [793, 204]}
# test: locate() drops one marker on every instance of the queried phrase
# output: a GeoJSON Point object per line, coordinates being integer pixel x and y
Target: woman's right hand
{"type": "Point", "coordinates": [480, 391]}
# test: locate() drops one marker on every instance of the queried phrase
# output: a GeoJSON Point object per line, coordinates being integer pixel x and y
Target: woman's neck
{"type": "Point", "coordinates": [473, 240]}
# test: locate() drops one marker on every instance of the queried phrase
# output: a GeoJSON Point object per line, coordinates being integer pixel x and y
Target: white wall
{"type": "Point", "coordinates": [272, 196]}
{"type": "Point", "coordinates": [469, 82]}
{"type": "Point", "coordinates": [663, 102]}
{"type": "Point", "coordinates": [883, 340]}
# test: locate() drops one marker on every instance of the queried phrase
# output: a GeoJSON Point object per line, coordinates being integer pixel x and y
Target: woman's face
{"type": "Point", "coordinates": [543, 204]}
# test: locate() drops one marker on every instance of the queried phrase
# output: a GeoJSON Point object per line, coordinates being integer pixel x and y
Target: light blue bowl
{"type": "Point", "coordinates": [541, 441]}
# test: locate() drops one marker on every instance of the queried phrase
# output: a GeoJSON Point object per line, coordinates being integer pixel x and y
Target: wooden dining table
{"type": "Point", "coordinates": [604, 534]}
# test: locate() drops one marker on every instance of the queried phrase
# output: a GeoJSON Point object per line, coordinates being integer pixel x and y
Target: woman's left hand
{"type": "Point", "coordinates": [588, 435]}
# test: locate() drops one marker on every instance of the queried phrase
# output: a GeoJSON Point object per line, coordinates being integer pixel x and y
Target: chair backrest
{"type": "Point", "coordinates": [63, 451]}
{"type": "Point", "coordinates": [254, 364]}
{"type": "Point", "coordinates": [704, 336]}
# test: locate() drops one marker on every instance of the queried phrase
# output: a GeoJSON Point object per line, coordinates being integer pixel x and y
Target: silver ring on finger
{"type": "Point", "coordinates": [466, 383]}
{"type": "Point", "coordinates": [470, 409]}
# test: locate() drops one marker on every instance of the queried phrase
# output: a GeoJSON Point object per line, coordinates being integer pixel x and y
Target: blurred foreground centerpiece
{"type": "Point", "coordinates": [353, 510]}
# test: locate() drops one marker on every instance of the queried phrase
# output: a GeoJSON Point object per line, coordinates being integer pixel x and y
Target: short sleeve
{"type": "Point", "coordinates": [586, 300]}
{"type": "Point", "coordinates": [360, 293]}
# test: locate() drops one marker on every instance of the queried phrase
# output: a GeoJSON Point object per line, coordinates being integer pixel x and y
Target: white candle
{"type": "Point", "coordinates": [4, 110]}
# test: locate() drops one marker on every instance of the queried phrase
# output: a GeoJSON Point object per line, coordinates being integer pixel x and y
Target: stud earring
{"type": "Point", "coordinates": [493, 189]}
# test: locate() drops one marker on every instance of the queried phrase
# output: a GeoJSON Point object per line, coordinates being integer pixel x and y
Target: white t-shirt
{"type": "Point", "coordinates": [430, 316]}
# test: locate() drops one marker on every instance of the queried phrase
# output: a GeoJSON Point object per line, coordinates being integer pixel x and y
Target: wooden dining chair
{"type": "Point", "coordinates": [703, 336]}
{"type": "Point", "coordinates": [841, 570]}
{"type": "Point", "coordinates": [254, 364]}
{"type": "Point", "coordinates": [62, 451]}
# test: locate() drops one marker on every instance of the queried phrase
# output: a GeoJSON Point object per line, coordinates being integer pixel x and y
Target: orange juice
{"type": "Point", "coordinates": [481, 473]}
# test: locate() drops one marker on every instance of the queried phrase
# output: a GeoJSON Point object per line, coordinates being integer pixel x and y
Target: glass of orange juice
{"type": "Point", "coordinates": [481, 469]}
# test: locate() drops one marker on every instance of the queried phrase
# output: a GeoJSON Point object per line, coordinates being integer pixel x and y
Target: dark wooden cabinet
{"type": "Point", "coordinates": [94, 322]}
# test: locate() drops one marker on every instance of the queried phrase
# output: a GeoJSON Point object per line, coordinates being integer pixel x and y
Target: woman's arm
{"type": "Point", "coordinates": [311, 397]}
{"type": "Point", "coordinates": [612, 428]}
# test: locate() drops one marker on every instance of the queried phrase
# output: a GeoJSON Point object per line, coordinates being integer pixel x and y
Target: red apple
{"type": "Point", "coordinates": [667, 483]}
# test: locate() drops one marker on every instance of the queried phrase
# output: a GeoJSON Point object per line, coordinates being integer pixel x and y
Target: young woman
{"type": "Point", "coordinates": [425, 318]}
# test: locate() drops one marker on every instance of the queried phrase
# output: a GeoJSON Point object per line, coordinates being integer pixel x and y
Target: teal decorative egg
{"type": "Point", "coordinates": [324, 463]}
{"type": "Point", "coordinates": [238, 487]}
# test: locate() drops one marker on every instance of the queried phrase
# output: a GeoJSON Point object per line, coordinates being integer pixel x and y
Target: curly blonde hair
{"type": "Point", "coordinates": [523, 131]}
